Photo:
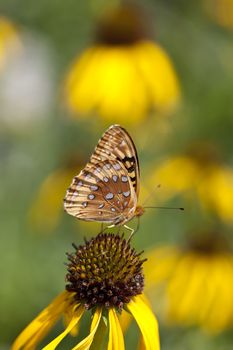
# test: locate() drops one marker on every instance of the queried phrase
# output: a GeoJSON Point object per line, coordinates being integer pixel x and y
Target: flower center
{"type": "Point", "coordinates": [124, 26]}
{"type": "Point", "coordinates": [208, 242]}
{"type": "Point", "coordinates": [105, 271]}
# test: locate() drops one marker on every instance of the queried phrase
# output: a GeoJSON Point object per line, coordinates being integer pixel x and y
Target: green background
{"type": "Point", "coordinates": [32, 262]}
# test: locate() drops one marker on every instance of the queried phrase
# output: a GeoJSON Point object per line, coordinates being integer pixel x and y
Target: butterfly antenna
{"type": "Point", "coordinates": [138, 225]}
{"type": "Point", "coordinates": [176, 208]}
{"type": "Point", "coordinates": [151, 193]}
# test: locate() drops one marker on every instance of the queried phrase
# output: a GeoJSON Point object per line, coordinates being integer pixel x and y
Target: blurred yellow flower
{"type": "Point", "coordinates": [193, 286]}
{"type": "Point", "coordinates": [47, 207]}
{"type": "Point", "coordinates": [221, 11]}
{"type": "Point", "coordinates": [200, 174]}
{"type": "Point", "coordinates": [124, 75]}
{"type": "Point", "coordinates": [9, 40]}
{"type": "Point", "coordinates": [104, 275]}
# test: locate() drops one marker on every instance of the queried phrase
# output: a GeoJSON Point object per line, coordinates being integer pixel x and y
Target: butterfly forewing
{"type": "Point", "coordinates": [106, 190]}
{"type": "Point", "coordinates": [116, 144]}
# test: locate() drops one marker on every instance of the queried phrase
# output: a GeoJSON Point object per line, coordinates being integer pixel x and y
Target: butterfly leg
{"type": "Point", "coordinates": [131, 231]}
{"type": "Point", "coordinates": [138, 225]}
{"type": "Point", "coordinates": [111, 226]}
{"type": "Point", "coordinates": [102, 228]}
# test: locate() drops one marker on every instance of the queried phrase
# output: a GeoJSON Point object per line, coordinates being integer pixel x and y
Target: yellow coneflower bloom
{"type": "Point", "coordinates": [198, 174]}
{"type": "Point", "coordinates": [105, 276]}
{"type": "Point", "coordinates": [124, 75]}
{"type": "Point", "coordinates": [221, 11]}
{"type": "Point", "coordinates": [46, 208]}
{"type": "Point", "coordinates": [9, 39]}
{"type": "Point", "coordinates": [194, 286]}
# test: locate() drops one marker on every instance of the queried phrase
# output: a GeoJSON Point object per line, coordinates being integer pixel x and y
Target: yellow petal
{"type": "Point", "coordinates": [41, 325]}
{"type": "Point", "coordinates": [146, 322]}
{"type": "Point", "coordinates": [125, 319]}
{"type": "Point", "coordinates": [66, 320]}
{"type": "Point", "coordinates": [116, 339]}
{"type": "Point", "coordinates": [160, 265]}
{"type": "Point", "coordinates": [10, 42]}
{"type": "Point", "coordinates": [75, 319]}
{"type": "Point", "coordinates": [86, 343]}
{"type": "Point", "coordinates": [46, 209]}
{"type": "Point", "coordinates": [186, 180]}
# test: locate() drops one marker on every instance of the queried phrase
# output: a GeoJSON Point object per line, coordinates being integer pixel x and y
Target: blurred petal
{"type": "Point", "coordinates": [153, 61]}
{"type": "Point", "coordinates": [9, 40]}
{"type": "Point", "coordinates": [187, 174]}
{"type": "Point", "coordinates": [123, 78]}
{"type": "Point", "coordinates": [221, 11]}
{"type": "Point", "coordinates": [162, 259]}
{"type": "Point", "coordinates": [47, 207]}
{"type": "Point", "coordinates": [125, 319]}
{"type": "Point", "coordinates": [68, 314]}
{"type": "Point", "coordinates": [197, 284]}
{"type": "Point", "coordinates": [216, 192]}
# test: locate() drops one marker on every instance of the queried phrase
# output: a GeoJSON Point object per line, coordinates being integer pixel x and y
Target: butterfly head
{"type": "Point", "coordinates": [139, 211]}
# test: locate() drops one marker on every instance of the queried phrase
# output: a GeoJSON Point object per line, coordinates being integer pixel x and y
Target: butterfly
{"type": "Point", "coordinates": [107, 189]}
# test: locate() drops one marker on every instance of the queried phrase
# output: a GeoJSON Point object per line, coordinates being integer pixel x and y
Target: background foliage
{"type": "Point", "coordinates": [31, 149]}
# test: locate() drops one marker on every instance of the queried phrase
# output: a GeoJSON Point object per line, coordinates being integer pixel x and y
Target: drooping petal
{"type": "Point", "coordinates": [41, 325]}
{"type": "Point", "coordinates": [86, 342]}
{"type": "Point", "coordinates": [75, 319]}
{"type": "Point", "coordinates": [125, 319]}
{"type": "Point", "coordinates": [116, 339]}
{"type": "Point", "coordinates": [100, 335]}
{"type": "Point", "coordinates": [67, 317]}
{"type": "Point", "coordinates": [146, 321]}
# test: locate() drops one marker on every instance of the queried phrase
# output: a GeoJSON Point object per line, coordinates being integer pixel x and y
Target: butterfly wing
{"type": "Point", "coordinates": [106, 190]}
{"type": "Point", "coordinates": [116, 144]}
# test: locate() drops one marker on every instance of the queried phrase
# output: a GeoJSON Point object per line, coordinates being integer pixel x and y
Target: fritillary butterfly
{"type": "Point", "coordinates": [107, 189]}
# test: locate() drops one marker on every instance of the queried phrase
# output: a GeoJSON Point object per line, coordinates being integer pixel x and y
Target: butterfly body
{"type": "Point", "coordinates": [107, 189]}
{"type": "Point", "coordinates": [139, 211]}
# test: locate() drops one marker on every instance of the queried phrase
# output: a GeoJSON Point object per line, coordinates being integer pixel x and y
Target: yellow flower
{"type": "Point", "coordinates": [198, 174]}
{"type": "Point", "coordinates": [9, 39]}
{"type": "Point", "coordinates": [46, 209]}
{"type": "Point", "coordinates": [105, 276]}
{"type": "Point", "coordinates": [124, 75]}
{"type": "Point", "coordinates": [194, 286]}
{"type": "Point", "coordinates": [221, 11]}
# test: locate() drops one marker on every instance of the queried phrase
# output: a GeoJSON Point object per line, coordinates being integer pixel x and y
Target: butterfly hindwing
{"type": "Point", "coordinates": [105, 190]}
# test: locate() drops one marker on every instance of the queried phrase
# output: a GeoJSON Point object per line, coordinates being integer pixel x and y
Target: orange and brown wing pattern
{"type": "Point", "coordinates": [105, 190]}
{"type": "Point", "coordinates": [116, 144]}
